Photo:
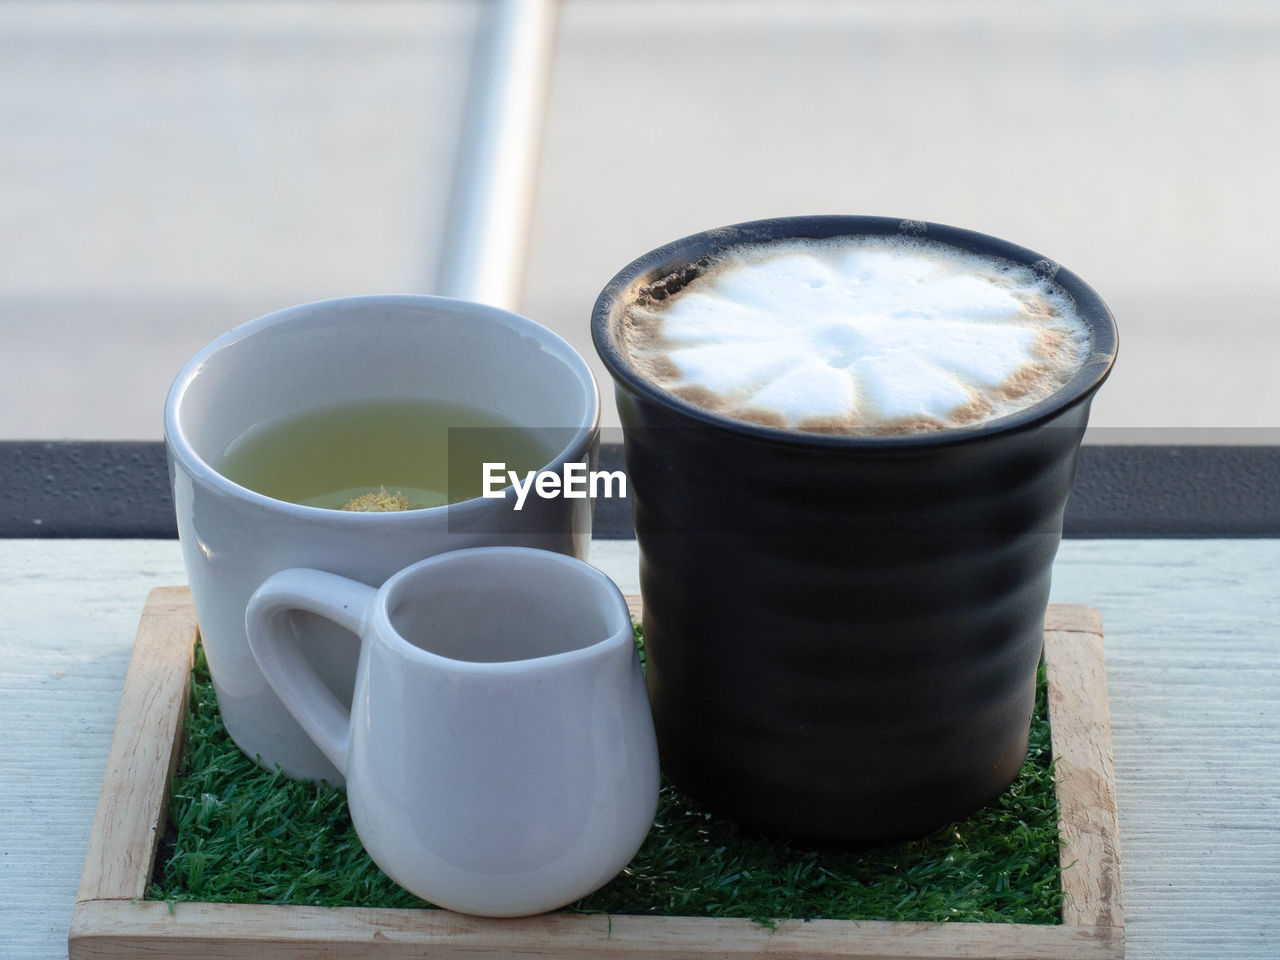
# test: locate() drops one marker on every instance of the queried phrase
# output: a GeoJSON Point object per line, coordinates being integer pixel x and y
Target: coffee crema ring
{"type": "Point", "coordinates": [856, 335]}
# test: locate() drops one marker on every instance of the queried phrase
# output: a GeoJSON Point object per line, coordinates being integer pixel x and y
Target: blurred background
{"type": "Point", "coordinates": [169, 170]}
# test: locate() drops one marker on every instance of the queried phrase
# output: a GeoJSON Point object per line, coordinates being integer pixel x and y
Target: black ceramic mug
{"type": "Point", "coordinates": [842, 631]}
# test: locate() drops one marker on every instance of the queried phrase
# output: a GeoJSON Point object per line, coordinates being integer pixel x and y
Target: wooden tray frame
{"type": "Point", "coordinates": [111, 920]}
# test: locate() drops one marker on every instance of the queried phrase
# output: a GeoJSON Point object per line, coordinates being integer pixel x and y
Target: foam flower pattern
{"type": "Point", "coordinates": [865, 337]}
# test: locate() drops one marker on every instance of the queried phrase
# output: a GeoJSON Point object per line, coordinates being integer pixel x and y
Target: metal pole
{"type": "Point", "coordinates": [486, 233]}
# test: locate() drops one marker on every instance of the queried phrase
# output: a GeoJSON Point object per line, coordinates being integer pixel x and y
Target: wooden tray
{"type": "Point", "coordinates": [112, 920]}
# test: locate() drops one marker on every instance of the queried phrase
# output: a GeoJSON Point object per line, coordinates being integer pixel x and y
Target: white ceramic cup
{"type": "Point", "coordinates": [499, 752]}
{"type": "Point", "coordinates": [334, 350]}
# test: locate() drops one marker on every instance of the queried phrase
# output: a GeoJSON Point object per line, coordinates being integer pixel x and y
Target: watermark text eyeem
{"type": "Point", "coordinates": [573, 482]}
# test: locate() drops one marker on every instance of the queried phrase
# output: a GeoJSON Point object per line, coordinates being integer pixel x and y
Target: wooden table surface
{"type": "Point", "coordinates": [1193, 651]}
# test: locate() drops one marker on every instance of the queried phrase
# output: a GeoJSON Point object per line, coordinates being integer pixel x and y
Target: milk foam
{"type": "Point", "coordinates": [862, 334]}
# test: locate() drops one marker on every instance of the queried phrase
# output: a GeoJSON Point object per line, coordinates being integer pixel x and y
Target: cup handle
{"type": "Point", "coordinates": [278, 651]}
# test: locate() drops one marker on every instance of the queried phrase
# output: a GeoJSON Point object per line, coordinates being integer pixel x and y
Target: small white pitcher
{"type": "Point", "coordinates": [499, 753]}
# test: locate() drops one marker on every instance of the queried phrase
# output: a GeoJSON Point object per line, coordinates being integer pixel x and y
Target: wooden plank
{"type": "Point", "coordinates": [1193, 670]}
{"type": "Point", "coordinates": [111, 921]}
{"type": "Point", "coordinates": [1073, 618]}
{"type": "Point", "coordinates": [1080, 729]}
{"type": "Point", "coordinates": [209, 931]}
{"type": "Point", "coordinates": [144, 751]}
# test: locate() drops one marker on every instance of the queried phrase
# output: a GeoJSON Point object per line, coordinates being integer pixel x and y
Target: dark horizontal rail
{"type": "Point", "coordinates": [121, 490]}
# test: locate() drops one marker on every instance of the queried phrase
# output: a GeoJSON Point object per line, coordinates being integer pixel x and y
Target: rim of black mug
{"type": "Point", "coordinates": [688, 251]}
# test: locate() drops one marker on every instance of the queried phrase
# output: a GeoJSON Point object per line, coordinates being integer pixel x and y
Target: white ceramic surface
{"type": "Point", "coordinates": [379, 346]}
{"type": "Point", "coordinates": [499, 753]}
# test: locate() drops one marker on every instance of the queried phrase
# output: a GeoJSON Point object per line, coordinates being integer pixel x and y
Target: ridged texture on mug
{"type": "Point", "coordinates": [842, 645]}
{"type": "Point", "coordinates": [843, 633]}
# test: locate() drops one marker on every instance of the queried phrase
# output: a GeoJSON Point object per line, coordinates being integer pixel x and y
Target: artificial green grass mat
{"type": "Point", "coordinates": [240, 834]}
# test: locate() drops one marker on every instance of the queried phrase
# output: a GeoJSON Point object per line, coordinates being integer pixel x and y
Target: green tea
{"type": "Point", "coordinates": [431, 451]}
